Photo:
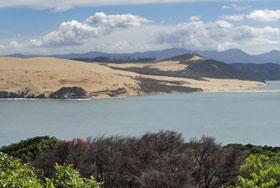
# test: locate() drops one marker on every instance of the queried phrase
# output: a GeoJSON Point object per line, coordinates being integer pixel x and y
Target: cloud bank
{"type": "Point", "coordinates": [265, 15]}
{"type": "Point", "coordinates": [72, 33]}
{"type": "Point", "coordinates": [128, 32]}
{"type": "Point", "coordinates": [262, 15]}
{"type": "Point", "coordinates": [133, 33]}
{"type": "Point", "coordinates": [220, 35]}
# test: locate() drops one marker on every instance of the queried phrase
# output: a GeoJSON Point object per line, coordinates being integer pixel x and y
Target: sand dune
{"type": "Point", "coordinates": [163, 65]}
{"type": "Point", "coordinates": [46, 75]}
{"type": "Point", "coordinates": [196, 58]}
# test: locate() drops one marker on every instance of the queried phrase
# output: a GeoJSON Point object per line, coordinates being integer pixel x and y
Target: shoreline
{"type": "Point", "coordinates": [260, 89]}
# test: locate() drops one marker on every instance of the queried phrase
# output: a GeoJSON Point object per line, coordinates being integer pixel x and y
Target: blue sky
{"type": "Point", "coordinates": [34, 26]}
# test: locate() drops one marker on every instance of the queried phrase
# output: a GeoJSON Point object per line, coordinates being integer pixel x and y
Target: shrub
{"type": "Point", "coordinates": [67, 177]}
{"type": "Point", "coordinates": [253, 149]}
{"type": "Point", "coordinates": [14, 174]}
{"type": "Point", "coordinates": [260, 170]}
{"type": "Point", "coordinates": [17, 175]}
{"type": "Point", "coordinates": [28, 150]}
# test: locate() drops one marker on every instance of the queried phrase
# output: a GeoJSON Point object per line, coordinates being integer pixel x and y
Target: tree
{"type": "Point", "coordinates": [214, 165]}
{"type": "Point", "coordinates": [153, 160]}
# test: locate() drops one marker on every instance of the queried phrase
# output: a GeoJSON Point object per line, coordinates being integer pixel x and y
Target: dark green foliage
{"type": "Point", "coordinates": [28, 150]}
{"type": "Point", "coordinates": [150, 85]}
{"type": "Point", "coordinates": [215, 69]}
{"type": "Point", "coordinates": [69, 93]}
{"type": "Point", "coordinates": [252, 149]}
{"type": "Point", "coordinates": [267, 71]}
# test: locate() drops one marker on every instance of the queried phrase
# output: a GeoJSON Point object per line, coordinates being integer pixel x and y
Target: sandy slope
{"type": "Point", "coordinates": [208, 84]}
{"type": "Point", "coordinates": [46, 75]}
{"type": "Point", "coordinates": [163, 65]}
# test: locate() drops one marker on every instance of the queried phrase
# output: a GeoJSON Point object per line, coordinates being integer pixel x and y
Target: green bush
{"type": "Point", "coordinates": [67, 177]}
{"type": "Point", "coordinates": [13, 174]}
{"type": "Point", "coordinates": [260, 171]}
{"type": "Point", "coordinates": [28, 150]}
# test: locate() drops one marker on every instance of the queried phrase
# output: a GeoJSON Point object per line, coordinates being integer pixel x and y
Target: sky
{"type": "Point", "coordinates": [71, 26]}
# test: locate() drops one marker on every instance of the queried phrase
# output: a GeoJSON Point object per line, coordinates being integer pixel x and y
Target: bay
{"type": "Point", "coordinates": [230, 117]}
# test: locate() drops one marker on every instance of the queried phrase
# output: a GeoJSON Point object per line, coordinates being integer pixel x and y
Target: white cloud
{"type": "Point", "coordinates": [130, 39]}
{"type": "Point", "coordinates": [194, 18]}
{"type": "Point", "coordinates": [236, 7]}
{"type": "Point", "coordinates": [223, 24]}
{"type": "Point", "coordinates": [220, 35]}
{"type": "Point", "coordinates": [74, 33]}
{"type": "Point", "coordinates": [14, 45]}
{"type": "Point", "coordinates": [197, 35]}
{"type": "Point", "coordinates": [11, 46]}
{"type": "Point", "coordinates": [120, 21]}
{"type": "Point", "coordinates": [235, 18]}
{"type": "Point", "coordinates": [265, 15]}
{"type": "Point", "coordinates": [67, 4]}
{"type": "Point", "coordinates": [69, 33]}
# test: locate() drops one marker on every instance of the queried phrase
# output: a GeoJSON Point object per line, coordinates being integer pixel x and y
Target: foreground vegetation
{"type": "Point", "coordinates": [159, 160]}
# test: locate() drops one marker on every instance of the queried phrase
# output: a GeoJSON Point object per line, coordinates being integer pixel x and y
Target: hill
{"type": "Point", "coordinates": [189, 65]}
{"type": "Point", "coordinates": [58, 78]}
{"type": "Point", "coordinates": [267, 71]}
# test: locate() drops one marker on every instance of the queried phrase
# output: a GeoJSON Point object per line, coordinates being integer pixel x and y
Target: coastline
{"type": "Point", "coordinates": [259, 89]}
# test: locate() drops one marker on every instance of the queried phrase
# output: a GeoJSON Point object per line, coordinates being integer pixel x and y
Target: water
{"type": "Point", "coordinates": [245, 117]}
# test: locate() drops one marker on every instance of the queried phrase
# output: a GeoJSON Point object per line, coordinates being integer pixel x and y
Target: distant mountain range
{"type": "Point", "coordinates": [238, 56]}
{"type": "Point", "coordinates": [159, 54]}
{"type": "Point", "coordinates": [228, 56]}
